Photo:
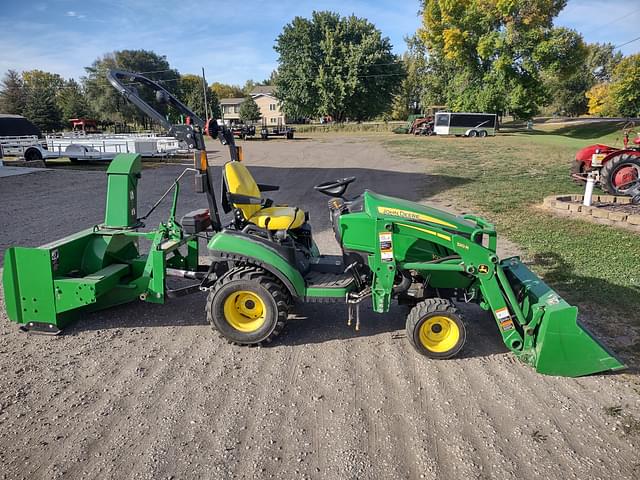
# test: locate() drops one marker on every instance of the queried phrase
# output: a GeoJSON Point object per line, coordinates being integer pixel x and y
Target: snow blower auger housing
{"type": "Point", "coordinates": [263, 260]}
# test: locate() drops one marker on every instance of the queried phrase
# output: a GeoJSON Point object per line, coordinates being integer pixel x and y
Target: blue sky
{"type": "Point", "coordinates": [233, 40]}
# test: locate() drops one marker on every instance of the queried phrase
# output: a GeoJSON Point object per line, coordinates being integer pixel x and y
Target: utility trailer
{"type": "Point", "coordinates": [29, 147]}
{"type": "Point", "coordinates": [242, 131]}
{"type": "Point", "coordinates": [466, 124]}
{"type": "Point", "coordinates": [279, 130]}
{"type": "Point", "coordinates": [147, 145]}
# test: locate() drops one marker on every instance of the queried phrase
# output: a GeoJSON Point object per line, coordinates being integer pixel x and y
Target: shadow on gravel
{"type": "Point", "coordinates": [307, 324]}
{"type": "Point", "coordinates": [317, 323]}
{"type": "Point", "coordinates": [179, 312]}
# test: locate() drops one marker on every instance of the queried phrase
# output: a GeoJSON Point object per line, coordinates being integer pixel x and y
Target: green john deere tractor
{"type": "Point", "coordinates": [263, 260]}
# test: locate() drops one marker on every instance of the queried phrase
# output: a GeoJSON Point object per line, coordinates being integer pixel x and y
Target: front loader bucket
{"type": "Point", "coordinates": [556, 342]}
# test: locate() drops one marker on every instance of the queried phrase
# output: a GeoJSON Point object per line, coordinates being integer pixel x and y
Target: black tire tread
{"type": "Point", "coordinates": [275, 288]}
{"type": "Point", "coordinates": [427, 307]}
{"type": "Point", "coordinates": [577, 168]}
{"type": "Point", "coordinates": [610, 166]}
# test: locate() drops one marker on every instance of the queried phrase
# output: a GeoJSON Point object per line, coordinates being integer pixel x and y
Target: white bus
{"type": "Point", "coordinates": [467, 124]}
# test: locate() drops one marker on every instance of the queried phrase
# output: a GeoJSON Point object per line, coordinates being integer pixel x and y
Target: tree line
{"type": "Point", "coordinates": [50, 101]}
{"type": "Point", "coordinates": [509, 58]}
{"type": "Point", "coordinates": [504, 57]}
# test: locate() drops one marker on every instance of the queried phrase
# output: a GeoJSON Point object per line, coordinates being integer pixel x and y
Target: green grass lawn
{"type": "Point", "coordinates": [506, 179]}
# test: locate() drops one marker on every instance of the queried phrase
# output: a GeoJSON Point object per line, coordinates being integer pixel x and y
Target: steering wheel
{"type": "Point", "coordinates": [335, 188]}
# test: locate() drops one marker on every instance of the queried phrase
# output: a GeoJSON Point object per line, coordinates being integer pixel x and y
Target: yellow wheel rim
{"type": "Point", "coordinates": [439, 334]}
{"type": "Point", "coordinates": [244, 311]}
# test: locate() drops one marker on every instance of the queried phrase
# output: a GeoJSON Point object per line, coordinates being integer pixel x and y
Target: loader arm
{"type": "Point", "coordinates": [535, 323]}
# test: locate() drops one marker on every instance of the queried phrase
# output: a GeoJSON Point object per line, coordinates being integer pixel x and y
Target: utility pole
{"type": "Point", "coordinates": [207, 114]}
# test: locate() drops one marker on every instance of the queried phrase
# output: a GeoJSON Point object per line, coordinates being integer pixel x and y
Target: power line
{"type": "Point", "coordinates": [619, 18]}
{"type": "Point", "coordinates": [627, 43]}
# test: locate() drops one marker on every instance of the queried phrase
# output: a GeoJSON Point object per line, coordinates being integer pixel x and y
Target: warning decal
{"type": "Point", "coordinates": [386, 246]}
{"type": "Point", "coordinates": [506, 325]}
{"type": "Point", "coordinates": [504, 317]}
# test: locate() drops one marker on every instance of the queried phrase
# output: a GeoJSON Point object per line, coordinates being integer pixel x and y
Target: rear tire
{"type": "Point", "coordinates": [248, 306]}
{"type": "Point", "coordinates": [611, 168]}
{"type": "Point", "coordinates": [482, 134]}
{"type": "Point", "coordinates": [473, 134]}
{"type": "Point", "coordinates": [435, 328]}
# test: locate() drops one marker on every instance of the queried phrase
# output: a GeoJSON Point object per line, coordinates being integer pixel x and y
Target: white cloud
{"type": "Point", "coordinates": [73, 14]}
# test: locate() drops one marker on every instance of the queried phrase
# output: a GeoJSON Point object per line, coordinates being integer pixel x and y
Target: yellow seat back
{"type": "Point", "coordinates": [240, 182]}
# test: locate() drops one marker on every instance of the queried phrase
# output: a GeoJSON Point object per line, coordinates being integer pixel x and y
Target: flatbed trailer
{"type": "Point", "coordinates": [279, 130]}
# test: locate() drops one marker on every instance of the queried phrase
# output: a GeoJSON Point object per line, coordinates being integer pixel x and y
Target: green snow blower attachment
{"type": "Point", "coordinates": [263, 260]}
{"type": "Point", "coordinates": [47, 287]}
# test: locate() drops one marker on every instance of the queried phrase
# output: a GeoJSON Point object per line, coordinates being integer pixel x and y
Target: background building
{"type": "Point", "coordinates": [264, 96]}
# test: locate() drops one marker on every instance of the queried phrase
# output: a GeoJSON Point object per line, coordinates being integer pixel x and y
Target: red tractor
{"type": "Point", "coordinates": [617, 169]}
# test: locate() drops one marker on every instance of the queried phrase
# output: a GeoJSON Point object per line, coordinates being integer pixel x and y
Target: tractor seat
{"type": "Point", "coordinates": [241, 187]}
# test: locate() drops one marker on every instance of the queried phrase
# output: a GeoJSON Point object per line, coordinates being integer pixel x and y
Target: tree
{"type": "Point", "coordinates": [12, 94]}
{"type": "Point", "coordinates": [191, 94]}
{"type": "Point", "coordinates": [337, 66]}
{"type": "Point", "coordinates": [72, 101]}
{"type": "Point", "coordinates": [565, 75]}
{"type": "Point", "coordinates": [599, 100]}
{"type": "Point", "coordinates": [625, 86]}
{"type": "Point", "coordinates": [249, 86]}
{"type": "Point", "coordinates": [408, 99]}
{"type": "Point", "coordinates": [568, 94]}
{"type": "Point", "coordinates": [489, 55]}
{"type": "Point", "coordinates": [109, 104]}
{"type": "Point", "coordinates": [601, 61]}
{"type": "Point", "coordinates": [249, 110]}
{"type": "Point", "coordinates": [41, 107]}
{"type": "Point", "coordinates": [222, 90]}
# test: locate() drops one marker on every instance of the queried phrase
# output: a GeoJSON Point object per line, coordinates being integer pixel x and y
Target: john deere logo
{"type": "Point", "coordinates": [483, 268]}
{"type": "Point", "coordinates": [396, 212]}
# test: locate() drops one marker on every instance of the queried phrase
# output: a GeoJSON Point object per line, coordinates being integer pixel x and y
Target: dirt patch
{"type": "Point", "coordinates": [148, 391]}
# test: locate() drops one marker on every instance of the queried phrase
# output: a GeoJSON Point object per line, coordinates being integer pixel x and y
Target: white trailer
{"type": "Point", "coordinates": [89, 147]}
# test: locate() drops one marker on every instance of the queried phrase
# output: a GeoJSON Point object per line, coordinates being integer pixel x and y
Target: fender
{"type": "Point", "coordinates": [240, 246]}
{"type": "Point", "coordinates": [622, 151]}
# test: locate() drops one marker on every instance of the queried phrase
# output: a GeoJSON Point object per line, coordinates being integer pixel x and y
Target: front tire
{"type": "Point", "coordinates": [577, 168]}
{"type": "Point", "coordinates": [473, 134]}
{"type": "Point", "coordinates": [248, 306]}
{"type": "Point", "coordinates": [435, 328]}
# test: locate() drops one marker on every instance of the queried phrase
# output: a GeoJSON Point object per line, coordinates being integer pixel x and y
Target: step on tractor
{"type": "Point", "coordinates": [617, 170]}
{"type": "Point", "coordinates": [262, 262]}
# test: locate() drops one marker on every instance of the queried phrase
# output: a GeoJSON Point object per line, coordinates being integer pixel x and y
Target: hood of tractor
{"type": "Point", "coordinates": [377, 205]}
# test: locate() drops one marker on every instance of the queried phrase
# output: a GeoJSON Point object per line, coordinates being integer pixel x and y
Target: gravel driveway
{"type": "Point", "coordinates": [148, 391]}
